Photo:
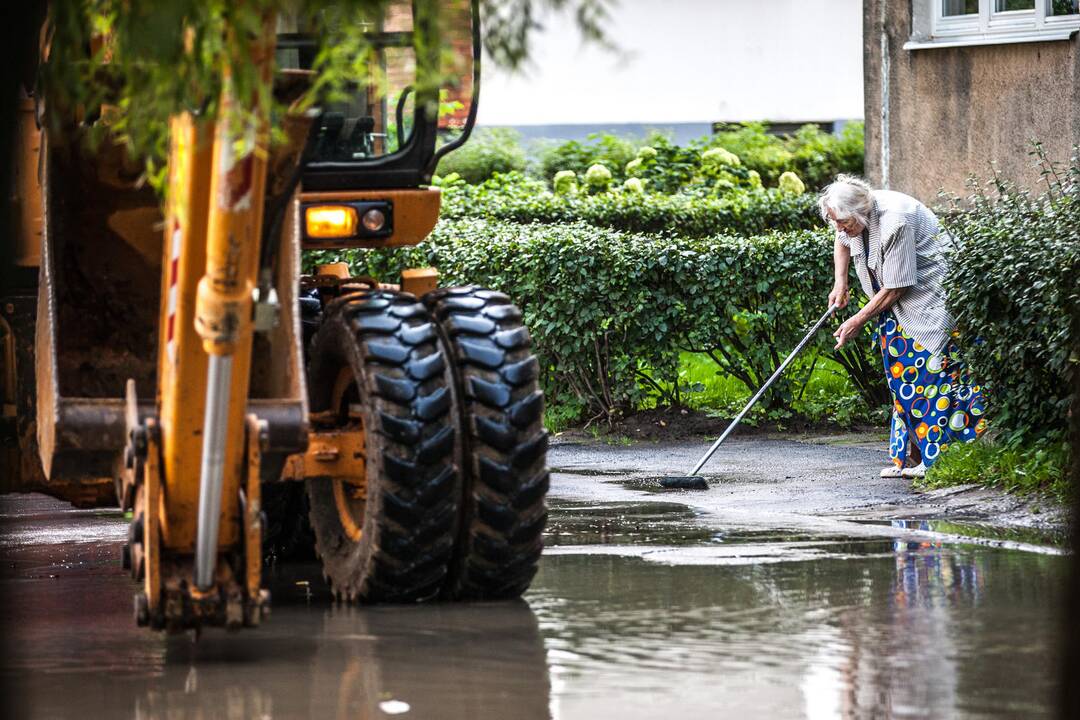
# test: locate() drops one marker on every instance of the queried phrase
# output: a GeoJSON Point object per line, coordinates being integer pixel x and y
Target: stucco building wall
{"type": "Point", "coordinates": [687, 61]}
{"type": "Point", "coordinates": [934, 116]}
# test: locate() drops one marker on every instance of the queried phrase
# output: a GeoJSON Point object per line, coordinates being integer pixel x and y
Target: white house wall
{"type": "Point", "coordinates": [689, 61]}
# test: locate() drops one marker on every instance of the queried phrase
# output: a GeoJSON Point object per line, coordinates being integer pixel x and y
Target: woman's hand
{"type": "Point", "coordinates": [839, 296]}
{"type": "Point", "coordinates": [882, 301]}
{"type": "Point", "coordinates": [849, 329]}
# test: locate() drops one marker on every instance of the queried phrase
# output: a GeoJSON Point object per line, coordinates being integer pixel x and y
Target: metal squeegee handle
{"type": "Point", "coordinates": [779, 371]}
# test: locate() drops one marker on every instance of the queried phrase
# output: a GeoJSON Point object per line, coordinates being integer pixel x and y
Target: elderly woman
{"type": "Point", "coordinates": [901, 254]}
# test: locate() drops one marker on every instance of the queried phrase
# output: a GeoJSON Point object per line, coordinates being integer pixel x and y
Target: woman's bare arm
{"type": "Point", "coordinates": [841, 261]}
{"type": "Point", "coordinates": [882, 301]}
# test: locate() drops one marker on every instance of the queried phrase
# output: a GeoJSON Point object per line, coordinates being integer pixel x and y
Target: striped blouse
{"type": "Point", "coordinates": [907, 249]}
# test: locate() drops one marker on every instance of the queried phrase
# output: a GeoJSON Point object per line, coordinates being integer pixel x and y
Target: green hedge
{"type": "Point", "coordinates": [1015, 292]}
{"type": "Point", "coordinates": [609, 311]}
{"type": "Point", "coordinates": [744, 212]}
{"type": "Point", "coordinates": [488, 152]}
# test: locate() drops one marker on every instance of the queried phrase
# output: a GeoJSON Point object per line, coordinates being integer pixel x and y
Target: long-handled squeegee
{"type": "Point", "coordinates": [693, 481]}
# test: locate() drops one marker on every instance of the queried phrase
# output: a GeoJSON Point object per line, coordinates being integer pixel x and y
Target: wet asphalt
{"type": "Point", "coordinates": [799, 585]}
{"type": "Point", "coordinates": [828, 483]}
{"type": "Point", "coordinates": [757, 475]}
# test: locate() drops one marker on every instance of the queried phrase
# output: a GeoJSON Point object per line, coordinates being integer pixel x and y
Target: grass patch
{"type": "Point", "coordinates": [827, 396]}
{"type": "Point", "coordinates": [704, 388]}
{"type": "Point", "coordinates": [562, 413]}
{"type": "Point", "coordinates": [1041, 466]}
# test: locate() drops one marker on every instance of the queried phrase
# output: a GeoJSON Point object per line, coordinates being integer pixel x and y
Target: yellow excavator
{"type": "Point", "coordinates": [180, 363]}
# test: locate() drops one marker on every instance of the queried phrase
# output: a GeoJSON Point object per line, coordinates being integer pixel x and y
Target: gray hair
{"type": "Point", "coordinates": [849, 197]}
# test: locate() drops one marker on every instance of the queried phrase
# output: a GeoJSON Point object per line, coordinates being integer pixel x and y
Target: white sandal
{"type": "Point", "coordinates": [891, 472]}
{"type": "Point", "coordinates": [912, 473]}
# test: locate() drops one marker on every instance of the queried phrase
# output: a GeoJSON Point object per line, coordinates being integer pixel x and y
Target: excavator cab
{"type": "Point", "coordinates": [177, 361]}
{"type": "Point", "coordinates": [390, 128]}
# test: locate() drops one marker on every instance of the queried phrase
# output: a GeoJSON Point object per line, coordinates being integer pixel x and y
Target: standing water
{"type": "Point", "coordinates": [638, 608]}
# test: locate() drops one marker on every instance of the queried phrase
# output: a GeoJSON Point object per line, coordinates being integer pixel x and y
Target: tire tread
{"type": "Point", "coordinates": [410, 523]}
{"type": "Point", "coordinates": [503, 445]}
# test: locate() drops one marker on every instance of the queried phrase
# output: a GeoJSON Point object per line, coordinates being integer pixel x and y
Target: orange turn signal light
{"type": "Point", "coordinates": [330, 221]}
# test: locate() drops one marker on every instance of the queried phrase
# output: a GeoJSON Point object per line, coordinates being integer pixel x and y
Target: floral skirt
{"type": "Point", "coordinates": [935, 400]}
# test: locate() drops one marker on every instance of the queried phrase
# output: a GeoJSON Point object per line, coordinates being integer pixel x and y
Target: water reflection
{"type": "Point", "coordinates": [73, 650]}
{"type": "Point", "coordinates": [925, 574]}
{"type": "Point", "coordinates": [430, 662]}
{"type": "Point", "coordinates": [637, 523]}
{"type": "Point", "coordinates": [823, 627]}
{"type": "Point", "coordinates": [884, 629]}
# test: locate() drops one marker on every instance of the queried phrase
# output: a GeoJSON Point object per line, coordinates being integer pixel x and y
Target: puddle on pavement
{"type": "Point", "coordinates": [575, 523]}
{"type": "Point", "coordinates": [975, 529]}
{"type": "Point", "coordinates": [34, 520]}
{"type": "Point", "coordinates": [922, 631]}
{"type": "Point", "coordinates": [652, 483]}
{"type": "Point", "coordinates": [802, 625]}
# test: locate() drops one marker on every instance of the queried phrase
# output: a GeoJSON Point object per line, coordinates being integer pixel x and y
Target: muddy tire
{"type": "Point", "coordinates": [376, 361]}
{"type": "Point", "coordinates": [503, 447]}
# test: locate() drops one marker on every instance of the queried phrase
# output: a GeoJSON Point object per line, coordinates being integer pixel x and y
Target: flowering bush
{"type": "Point", "coordinates": [605, 149]}
{"type": "Point", "coordinates": [743, 211]}
{"type": "Point", "coordinates": [816, 156]}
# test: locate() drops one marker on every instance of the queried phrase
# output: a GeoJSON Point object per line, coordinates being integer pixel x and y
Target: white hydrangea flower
{"type": "Point", "coordinates": [719, 156]}
{"type": "Point", "coordinates": [790, 183]}
{"type": "Point", "coordinates": [598, 177]}
{"type": "Point", "coordinates": [565, 182]}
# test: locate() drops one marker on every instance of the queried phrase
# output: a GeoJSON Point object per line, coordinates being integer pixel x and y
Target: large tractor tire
{"type": "Point", "coordinates": [503, 446]}
{"type": "Point", "coordinates": [376, 363]}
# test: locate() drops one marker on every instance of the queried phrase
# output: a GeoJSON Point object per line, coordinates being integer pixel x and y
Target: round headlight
{"type": "Point", "coordinates": [374, 220]}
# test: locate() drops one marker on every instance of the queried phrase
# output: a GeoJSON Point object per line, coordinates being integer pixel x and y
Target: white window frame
{"type": "Point", "coordinates": [931, 28]}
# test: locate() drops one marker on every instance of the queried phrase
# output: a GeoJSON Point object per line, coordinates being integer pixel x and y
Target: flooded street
{"type": "Point", "coordinates": [645, 603]}
{"type": "Point", "coordinates": [786, 624]}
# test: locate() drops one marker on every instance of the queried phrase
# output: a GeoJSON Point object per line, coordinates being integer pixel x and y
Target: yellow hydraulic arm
{"type": "Point", "coordinates": [205, 445]}
{"type": "Point", "coordinates": [223, 314]}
